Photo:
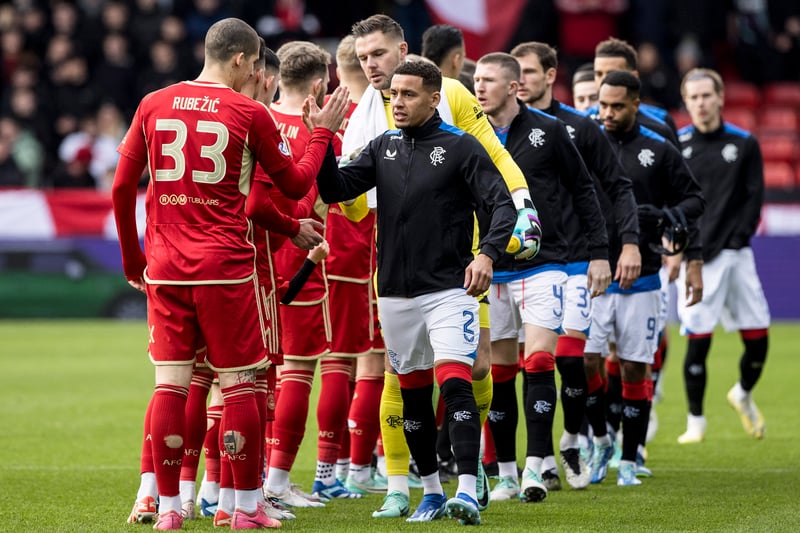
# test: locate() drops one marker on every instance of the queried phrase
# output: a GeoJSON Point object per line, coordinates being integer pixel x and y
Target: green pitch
{"type": "Point", "coordinates": [74, 393]}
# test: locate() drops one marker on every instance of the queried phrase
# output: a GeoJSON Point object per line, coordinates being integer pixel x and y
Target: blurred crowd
{"type": "Point", "coordinates": [74, 71]}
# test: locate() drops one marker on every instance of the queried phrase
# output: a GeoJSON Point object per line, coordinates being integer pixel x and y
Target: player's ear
{"type": "Point", "coordinates": [238, 59]}
{"type": "Point", "coordinates": [436, 97]}
{"type": "Point", "coordinates": [403, 50]}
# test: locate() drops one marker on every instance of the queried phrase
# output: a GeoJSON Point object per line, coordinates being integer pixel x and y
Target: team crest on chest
{"type": "Point", "coordinates": [647, 157]}
{"type": "Point", "coordinates": [687, 152]}
{"type": "Point", "coordinates": [437, 155]}
{"type": "Point", "coordinates": [536, 137]}
{"type": "Point", "coordinates": [730, 153]}
{"type": "Point", "coordinates": [571, 131]}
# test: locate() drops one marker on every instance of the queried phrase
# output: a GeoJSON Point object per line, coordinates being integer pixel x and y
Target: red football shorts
{"type": "Point", "coordinates": [305, 330]}
{"type": "Point", "coordinates": [227, 317]}
{"type": "Point", "coordinates": [351, 318]}
{"type": "Point", "coordinates": [269, 316]}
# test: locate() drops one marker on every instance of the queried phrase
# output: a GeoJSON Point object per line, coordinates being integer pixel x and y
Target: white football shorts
{"type": "Point", "coordinates": [577, 304]}
{"type": "Point", "coordinates": [630, 320]}
{"type": "Point", "coordinates": [536, 300]}
{"type": "Point", "coordinates": [418, 331]}
{"type": "Point", "coordinates": [732, 294]}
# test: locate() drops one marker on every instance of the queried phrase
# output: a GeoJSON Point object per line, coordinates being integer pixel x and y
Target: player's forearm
{"type": "Point", "coordinates": [262, 210]}
{"type": "Point", "coordinates": [290, 290]}
{"type": "Point", "coordinates": [295, 180]}
{"type": "Point", "coordinates": [123, 199]}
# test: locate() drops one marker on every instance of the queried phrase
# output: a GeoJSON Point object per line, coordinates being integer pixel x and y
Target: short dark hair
{"type": "Point", "coordinates": [430, 73]}
{"type": "Point", "coordinates": [623, 78]}
{"type": "Point", "coordinates": [382, 23]}
{"type": "Point", "coordinates": [505, 61]}
{"type": "Point", "coordinates": [547, 54]}
{"type": "Point", "coordinates": [262, 53]}
{"type": "Point", "coordinates": [439, 40]}
{"type": "Point", "coordinates": [613, 47]}
{"type": "Point", "coordinates": [584, 73]}
{"type": "Point", "coordinates": [229, 37]}
{"type": "Point", "coordinates": [271, 59]}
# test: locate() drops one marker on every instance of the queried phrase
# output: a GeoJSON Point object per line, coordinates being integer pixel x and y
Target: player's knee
{"type": "Point", "coordinates": [571, 370]}
{"type": "Point", "coordinates": [481, 369]}
{"type": "Point", "coordinates": [540, 361]}
{"type": "Point", "coordinates": [457, 395]}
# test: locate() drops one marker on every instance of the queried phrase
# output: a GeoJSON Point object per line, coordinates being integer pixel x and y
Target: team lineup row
{"type": "Point", "coordinates": [569, 223]}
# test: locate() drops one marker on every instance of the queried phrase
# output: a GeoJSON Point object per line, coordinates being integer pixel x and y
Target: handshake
{"type": "Point", "coordinates": [527, 236]}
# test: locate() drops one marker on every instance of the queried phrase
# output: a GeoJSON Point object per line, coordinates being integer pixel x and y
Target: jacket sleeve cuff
{"type": "Point", "coordinates": [693, 254]}
{"type": "Point", "coordinates": [598, 252]}
{"type": "Point", "coordinates": [630, 237]}
{"type": "Point", "coordinates": [491, 251]}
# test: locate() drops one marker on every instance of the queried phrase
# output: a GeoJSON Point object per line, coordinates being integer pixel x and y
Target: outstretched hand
{"type": "Point", "coordinates": [331, 114]}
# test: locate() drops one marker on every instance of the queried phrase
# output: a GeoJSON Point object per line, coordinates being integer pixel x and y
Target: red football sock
{"type": "Point", "coordinates": [147, 448]}
{"type": "Point", "coordinates": [289, 426]}
{"type": "Point", "coordinates": [225, 473]}
{"type": "Point", "coordinates": [167, 428]}
{"type": "Point", "coordinates": [196, 423]}
{"type": "Point", "coordinates": [240, 435]}
{"type": "Point", "coordinates": [211, 442]}
{"type": "Point", "coordinates": [332, 413]}
{"type": "Point", "coordinates": [489, 451]}
{"type": "Point", "coordinates": [364, 421]}
{"type": "Point", "coordinates": [344, 439]}
{"type": "Point", "coordinates": [262, 392]}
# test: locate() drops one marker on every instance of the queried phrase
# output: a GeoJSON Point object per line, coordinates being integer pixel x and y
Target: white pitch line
{"type": "Point", "coordinates": [65, 468]}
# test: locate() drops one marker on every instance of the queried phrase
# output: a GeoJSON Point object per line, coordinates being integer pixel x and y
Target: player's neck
{"type": "Point", "coordinates": [215, 74]}
{"type": "Point", "coordinates": [356, 87]}
{"type": "Point", "coordinates": [711, 125]}
{"type": "Point", "coordinates": [291, 103]}
{"type": "Point", "coordinates": [544, 102]}
{"type": "Point", "coordinates": [502, 117]}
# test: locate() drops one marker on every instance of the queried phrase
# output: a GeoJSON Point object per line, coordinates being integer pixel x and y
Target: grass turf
{"type": "Point", "coordinates": [75, 393]}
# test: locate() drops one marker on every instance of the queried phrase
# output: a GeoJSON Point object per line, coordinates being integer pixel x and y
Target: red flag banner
{"type": "Point", "coordinates": [487, 25]}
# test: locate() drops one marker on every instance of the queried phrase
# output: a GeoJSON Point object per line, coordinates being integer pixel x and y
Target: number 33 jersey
{"type": "Point", "coordinates": [200, 141]}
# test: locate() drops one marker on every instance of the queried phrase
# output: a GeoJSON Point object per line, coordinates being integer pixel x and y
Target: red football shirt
{"type": "Point", "coordinates": [352, 243]}
{"type": "Point", "coordinates": [200, 141]}
{"type": "Point", "coordinates": [289, 258]}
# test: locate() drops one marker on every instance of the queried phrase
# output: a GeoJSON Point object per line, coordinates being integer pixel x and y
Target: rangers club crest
{"type": "Point", "coordinates": [647, 157]}
{"type": "Point", "coordinates": [536, 137]}
{"type": "Point", "coordinates": [730, 153]}
{"type": "Point", "coordinates": [462, 416]}
{"type": "Point", "coordinates": [437, 155]}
